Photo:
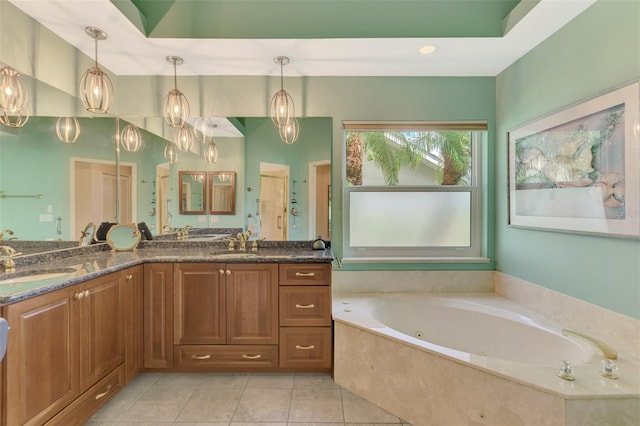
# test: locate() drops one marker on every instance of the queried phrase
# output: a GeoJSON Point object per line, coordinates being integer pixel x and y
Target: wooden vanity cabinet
{"type": "Point", "coordinates": [306, 333]}
{"type": "Point", "coordinates": [158, 316]}
{"type": "Point", "coordinates": [133, 291]}
{"type": "Point", "coordinates": [225, 316]}
{"type": "Point", "coordinates": [62, 344]}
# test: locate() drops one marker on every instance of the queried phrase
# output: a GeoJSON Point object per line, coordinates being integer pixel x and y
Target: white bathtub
{"type": "Point", "coordinates": [475, 358]}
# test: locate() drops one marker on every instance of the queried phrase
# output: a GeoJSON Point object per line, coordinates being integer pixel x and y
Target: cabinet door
{"type": "Point", "coordinates": [199, 304]}
{"type": "Point", "coordinates": [158, 315]}
{"type": "Point", "coordinates": [132, 288]}
{"type": "Point", "coordinates": [41, 364]}
{"type": "Point", "coordinates": [101, 329]}
{"type": "Point", "coordinates": [252, 304]}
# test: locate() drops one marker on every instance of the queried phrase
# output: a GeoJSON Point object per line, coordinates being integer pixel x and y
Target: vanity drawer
{"type": "Point", "coordinates": [212, 357]}
{"type": "Point", "coordinates": [305, 274]}
{"type": "Point", "coordinates": [305, 347]}
{"type": "Point", "coordinates": [89, 402]}
{"type": "Point", "coordinates": [305, 306]}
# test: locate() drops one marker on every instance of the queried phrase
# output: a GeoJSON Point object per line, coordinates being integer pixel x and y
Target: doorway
{"type": "Point", "coordinates": [320, 199]}
{"type": "Point", "coordinates": [94, 194]}
{"type": "Point", "coordinates": [274, 199]}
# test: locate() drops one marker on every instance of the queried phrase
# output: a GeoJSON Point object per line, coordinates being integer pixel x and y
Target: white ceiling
{"type": "Point", "coordinates": [128, 52]}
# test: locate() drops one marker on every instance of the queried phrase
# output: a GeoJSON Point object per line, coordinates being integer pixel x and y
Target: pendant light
{"type": "Point", "coordinates": [12, 95]}
{"type": "Point", "coordinates": [14, 111]}
{"type": "Point", "coordinates": [184, 138]}
{"type": "Point", "coordinates": [211, 153]}
{"type": "Point", "coordinates": [202, 127]}
{"type": "Point", "coordinates": [282, 108]}
{"type": "Point", "coordinates": [67, 129]}
{"type": "Point", "coordinates": [96, 89]}
{"type": "Point", "coordinates": [176, 107]}
{"type": "Point", "coordinates": [171, 153]}
{"type": "Point", "coordinates": [289, 131]}
{"type": "Point", "coordinates": [130, 138]}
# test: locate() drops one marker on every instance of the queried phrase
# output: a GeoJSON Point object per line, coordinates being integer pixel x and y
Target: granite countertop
{"type": "Point", "coordinates": [46, 272]}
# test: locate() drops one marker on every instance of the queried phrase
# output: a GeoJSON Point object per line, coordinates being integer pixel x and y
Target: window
{"type": "Point", "coordinates": [412, 191]}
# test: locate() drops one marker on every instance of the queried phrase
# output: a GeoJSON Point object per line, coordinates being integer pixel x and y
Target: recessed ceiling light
{"type": "Point", "coordinates": [426, 50]}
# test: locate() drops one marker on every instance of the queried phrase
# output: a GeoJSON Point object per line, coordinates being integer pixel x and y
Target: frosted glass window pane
{"type": "Point", "coordinates": [410, 219]}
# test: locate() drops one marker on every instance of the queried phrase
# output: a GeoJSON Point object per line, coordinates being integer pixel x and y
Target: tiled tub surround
{"type": "Point", "coordinates": [433, 387]}
{"type": "Point", "coordinates": [97, 260]}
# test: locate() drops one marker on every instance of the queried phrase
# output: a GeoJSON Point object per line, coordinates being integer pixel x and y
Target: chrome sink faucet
{"type": "Point", "coordinates": [607, 351]}
{"type": "Point", "coordinates": [9, 264]}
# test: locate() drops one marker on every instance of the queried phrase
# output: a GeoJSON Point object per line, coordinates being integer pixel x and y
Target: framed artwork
{"type": "Point", "coordinates": [577, 170]}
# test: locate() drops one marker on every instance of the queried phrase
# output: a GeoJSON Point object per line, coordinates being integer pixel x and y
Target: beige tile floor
{"type": "Point", "coordinates": [273, 399]}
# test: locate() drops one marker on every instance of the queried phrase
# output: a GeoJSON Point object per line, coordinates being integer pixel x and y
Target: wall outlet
{"type": "Point", "coordinates": [214, 219]}
{"type": "Point", "coordinates": [46, 218]}
{"type": "Point", "coordinates": [49, 208]}
{"type": "Point", "coordinates": [202, 219]}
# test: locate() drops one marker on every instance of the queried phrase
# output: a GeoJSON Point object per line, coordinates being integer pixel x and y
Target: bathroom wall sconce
{"type": "Point", "coordinates": [175, 107]}
{"type": "Point", "coordinates": [130, 138]}
{"type": "Point", "coordinates": [67, 129]}
{"type": "Point", "coordinates": [211, 153]}
{"type": "Point", "coordinates": [282, 107]}
{"type": "Point", "coordinates": [171, 153]}
{"type": "Point", "coordinates": [96, 89]}
{"type": "Point", "coordinates": [13, 99]}
{"type": "Point", "coordinates": [184, 138]}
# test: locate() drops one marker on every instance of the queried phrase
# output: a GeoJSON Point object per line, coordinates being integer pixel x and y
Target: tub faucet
{"type": "Point", "coordinates": [607, 351]}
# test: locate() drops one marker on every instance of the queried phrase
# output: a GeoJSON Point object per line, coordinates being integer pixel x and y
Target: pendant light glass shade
{"type": "Point", "coordinates": [171, 153]}
{"type": "Point", "coordinates": [211, 153]}
{"type": "Point", "coordinates": [13, 96]}
{"type": "Point", "coordinates": [130, 138]}
{"type": "Point", "coordinates": [289, 132]}
{"type": "Point", "coordinates": [185, 138]}
{"type": "Point", "coordinates": [282, 108]}
{"type": "Point", "coordinates": [175, 107]}
{"type": "Point", "coordinates": [96, 89]}
{"type": "Point", "coordinates": [67, 129]}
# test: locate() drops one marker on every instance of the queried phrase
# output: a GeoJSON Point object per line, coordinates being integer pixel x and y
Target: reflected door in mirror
{"type": "Point", "coordinates": [192, 192]}
{"type": "Point", "coordinates": [222, 192]}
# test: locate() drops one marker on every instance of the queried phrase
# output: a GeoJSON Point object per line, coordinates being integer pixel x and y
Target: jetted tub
{"type": "Point", "coordinates": [450, 359]}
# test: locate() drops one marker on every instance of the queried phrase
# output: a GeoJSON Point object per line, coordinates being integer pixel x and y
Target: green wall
{"type": "Point", "coordinates": [597, 51]}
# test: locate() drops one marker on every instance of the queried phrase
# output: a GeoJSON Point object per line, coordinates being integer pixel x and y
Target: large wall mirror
{"type": "Point", "coordinates": [192, 192]}
{"type": "Point", "coordinates": [222, 192]}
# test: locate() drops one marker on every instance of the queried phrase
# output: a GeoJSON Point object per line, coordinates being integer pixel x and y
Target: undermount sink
{"type": "Point", "coordinates": [37, 275]}
{"type": "Point", "coordinates": [234, 254]}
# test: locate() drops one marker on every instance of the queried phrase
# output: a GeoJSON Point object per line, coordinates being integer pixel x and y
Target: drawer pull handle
{"type": "Point", "coordinates": [305, 274]}
{"type": "Point", "coordinates": [309, 306]}
{"type": "Point", "coordinates": [245, 356]}
{"type": "Point", "coordinates": [200, 356]}
{"type": "Point", "coordinates": [306, 348]}
{"type": "Point", "coordinates": [103, 394]}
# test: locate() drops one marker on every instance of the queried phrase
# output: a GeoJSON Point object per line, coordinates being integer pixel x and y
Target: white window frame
{"type": "Point", "coordinates": [472, 253]}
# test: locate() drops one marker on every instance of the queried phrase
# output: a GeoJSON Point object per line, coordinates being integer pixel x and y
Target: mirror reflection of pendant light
{"type": "Point", "coordinates": [67, 129]}
{"type": "Point", "coordinates": [171, 153]}
{"type": "Point", "coordinates": [282, 108]}
{"type": "Point", "coordinates": [211, 153]}
{"type": "Point", "coordinates": [14, 111]}
{"type": "Point", "coordinates": [185, 138]}
{"type": "Point", "coordinates": [289, 132]}
{"type": "Point", "coordinates": [203, 126]}
{"type": "Point", "coordinates": [176, 107]}
{"type": "Point", "coordinates": [130, 138]}
{"type": "Point", "coordinates": [96, 89]}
